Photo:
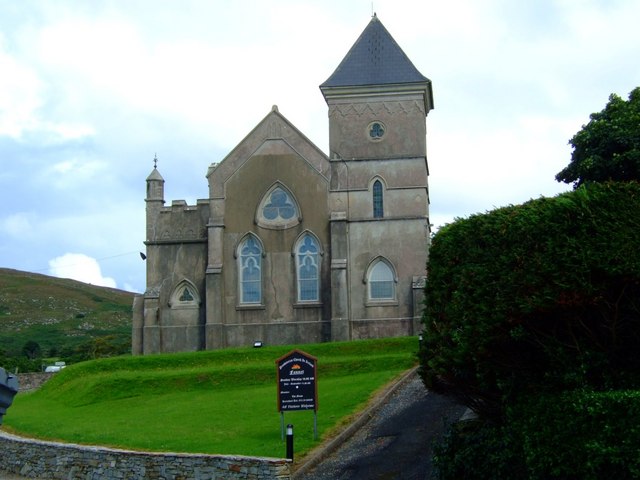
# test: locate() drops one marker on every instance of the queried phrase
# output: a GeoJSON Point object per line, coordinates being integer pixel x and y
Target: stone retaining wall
{"type": "Point", "coordinates": [33, 381]}
{"type": "Point", "coordinates": [52, 460]}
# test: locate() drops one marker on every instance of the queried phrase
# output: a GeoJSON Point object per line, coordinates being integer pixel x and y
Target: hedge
{"type": "Point", "coordinates": [538, 297]}
{"type": "Point", "coordinates": [582, 435]}
{"type": "Point", "coordinates": [576, 435]}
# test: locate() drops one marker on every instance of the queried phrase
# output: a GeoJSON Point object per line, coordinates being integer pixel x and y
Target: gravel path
{"type": "Point", "coordinates": [395, 443]}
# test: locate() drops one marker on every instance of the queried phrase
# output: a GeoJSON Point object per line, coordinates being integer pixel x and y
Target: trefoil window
{"type": "Point", "coordinates": [376, 130]}
{"type": "Point", "coordinates": [279, 206]}
{"type": "Point", "coordinates": [278, 209]}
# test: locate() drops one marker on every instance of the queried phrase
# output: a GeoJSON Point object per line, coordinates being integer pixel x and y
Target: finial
{"type": "Point", "coordinates": [155, 161]}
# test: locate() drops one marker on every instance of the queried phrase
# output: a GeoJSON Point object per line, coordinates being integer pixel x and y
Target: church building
{"type": "Point", "coordinates": [292, 245]}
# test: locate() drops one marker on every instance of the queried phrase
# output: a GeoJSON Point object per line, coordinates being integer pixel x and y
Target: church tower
{"type": "Point", "coordinates": [379, 199]}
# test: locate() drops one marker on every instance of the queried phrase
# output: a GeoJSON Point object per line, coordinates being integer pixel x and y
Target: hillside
{"type": "Point", "coordinates": [57, 313]}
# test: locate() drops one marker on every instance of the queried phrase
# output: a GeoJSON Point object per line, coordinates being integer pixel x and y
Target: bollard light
{"type": "Point", "coordinates": [290, 442]}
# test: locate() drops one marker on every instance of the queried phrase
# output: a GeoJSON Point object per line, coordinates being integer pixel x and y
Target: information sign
{"type": "Point", "coordinates": [297, 387]}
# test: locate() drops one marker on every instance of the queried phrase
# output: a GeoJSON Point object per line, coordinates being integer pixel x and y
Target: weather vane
{"type": "Point", "coordinates": [155, 160]}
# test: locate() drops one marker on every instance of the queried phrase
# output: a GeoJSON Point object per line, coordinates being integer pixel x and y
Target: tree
{"type": "Point", "coordinates": [608, 147]}
{"type": "Point", "coordinates": [32, 350]}
{"type": "Point", "coordinates": [101, 347]}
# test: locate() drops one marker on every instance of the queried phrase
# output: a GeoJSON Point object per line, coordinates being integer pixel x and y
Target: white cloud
{"type": "Point", "coordinates": [17, 225]}
{"type": "Point", "coordinates": [20, 95]}
{"type": "Point", "coordinates": [75, 173]}
{"type": "Point", "coordinates": [81, 267]}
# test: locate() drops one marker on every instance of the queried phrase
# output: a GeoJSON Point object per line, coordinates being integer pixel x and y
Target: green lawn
{"type": "Point", "coordinates": [221, 402]}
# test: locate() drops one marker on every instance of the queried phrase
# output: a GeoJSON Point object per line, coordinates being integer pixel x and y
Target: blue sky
{"type": "Point", "coordinates": [91, 91]}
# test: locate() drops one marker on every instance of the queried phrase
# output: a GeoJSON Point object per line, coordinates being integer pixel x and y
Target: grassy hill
{"type": "Point", "coordinates": [59, 313]}
{"type": "Point", "coordinates": [219, 401]}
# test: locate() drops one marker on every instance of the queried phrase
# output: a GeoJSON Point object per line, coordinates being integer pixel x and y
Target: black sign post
{"type": "Point", "coordinates": [297, 386]}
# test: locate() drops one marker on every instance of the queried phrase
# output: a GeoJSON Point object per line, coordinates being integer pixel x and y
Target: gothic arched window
{"type": "Point", "coordinates": [184, 295]}
{"type": "Point", "coordinates": [250, 270]}
{"type": "Point", "coordinates": [308, 268]}
{"type": "Point", "coordinates": [381, 281]}
{"type": "Point", "coordinates": [378, 206]}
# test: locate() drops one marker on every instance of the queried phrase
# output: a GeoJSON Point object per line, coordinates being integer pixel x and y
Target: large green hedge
{"type": "Point", "coordinates": [580, 434]}
{"type": "Point", "coordinates": [577, 435]}
{"type": "Point", "coordinates": [543, 296]}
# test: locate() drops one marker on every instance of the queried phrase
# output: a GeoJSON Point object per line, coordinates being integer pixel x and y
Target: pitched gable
{"type": "Point", "coordinates": [273, 135]}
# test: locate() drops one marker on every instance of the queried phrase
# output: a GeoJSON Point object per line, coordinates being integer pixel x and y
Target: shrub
{"type": "Point", "coordinates": [21, 364]}
{"type": "Point", "coordinates": [580, 435]}
{"type": "Point", "coordinates": [543, 296]}
{"type": "Point", "coordinates": [479, 450]}
{"type": "Point", "coordinates": [575, 435]}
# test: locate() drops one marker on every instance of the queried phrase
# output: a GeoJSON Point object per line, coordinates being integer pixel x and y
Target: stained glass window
{"type": "Point", "coordinates": [378, 205]}
{"type": "Point", "coordinates": [308, 269]}
{"type": "Point", "coordinates": [376, 130]}
{"type": "Point", "coordinates": [186, 295]}
{"type": "Point", "coordinates": [279, 206]}
{"type": "Point", "coordinates": [250, 266]}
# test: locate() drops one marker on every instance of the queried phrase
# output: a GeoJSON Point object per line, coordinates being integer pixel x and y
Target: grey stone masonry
{"type": "Point", "coordinates": [51, 460]}
{"type": "Point", "coordinates": [33, 381]}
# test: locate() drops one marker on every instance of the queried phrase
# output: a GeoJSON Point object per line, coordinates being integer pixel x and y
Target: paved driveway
{"type": "Point", "coordinates": [396, 443]}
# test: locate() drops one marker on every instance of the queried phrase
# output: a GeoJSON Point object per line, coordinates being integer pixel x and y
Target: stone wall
{"type": "Point", "coordinates": [51, 460]}
{"type": "Point", "coordinates": [33, 381]}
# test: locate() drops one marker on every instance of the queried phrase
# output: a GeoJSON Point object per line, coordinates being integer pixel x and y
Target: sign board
{"type": "Point", "coordinates": [297, 387]}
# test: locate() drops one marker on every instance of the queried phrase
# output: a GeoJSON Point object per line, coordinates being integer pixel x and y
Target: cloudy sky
{"type": "Point", "coordinates": [91, 91]}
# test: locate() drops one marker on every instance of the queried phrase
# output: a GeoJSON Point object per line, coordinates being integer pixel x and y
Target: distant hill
{"type": "Point", "coordinates": [59, 313]}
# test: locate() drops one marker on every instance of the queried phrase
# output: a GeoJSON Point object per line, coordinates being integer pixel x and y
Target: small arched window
{"type": "Point", "coordinates": [308, 268]}
{"type": "Point", "coordinates": [381, 281]}
{"type": "Point", "coordinates": [378, 205]}
{"type": "Point", "coordinates": [184, 295]}
{"type": "Point", "coordinates": [250, 270]}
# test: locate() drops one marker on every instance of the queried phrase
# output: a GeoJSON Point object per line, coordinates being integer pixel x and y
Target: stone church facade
{"type": "Point", "coordinates": [294, 246]}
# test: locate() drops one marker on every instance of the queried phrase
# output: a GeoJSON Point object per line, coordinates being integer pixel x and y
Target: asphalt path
{"type": "Point", "coordinates": [396, 443]}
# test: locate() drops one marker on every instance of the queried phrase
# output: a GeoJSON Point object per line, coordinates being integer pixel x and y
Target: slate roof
{"type": "Point", "coordinates": [375, 59]}
{"type": "Point", "coordinates": [155, 175]}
